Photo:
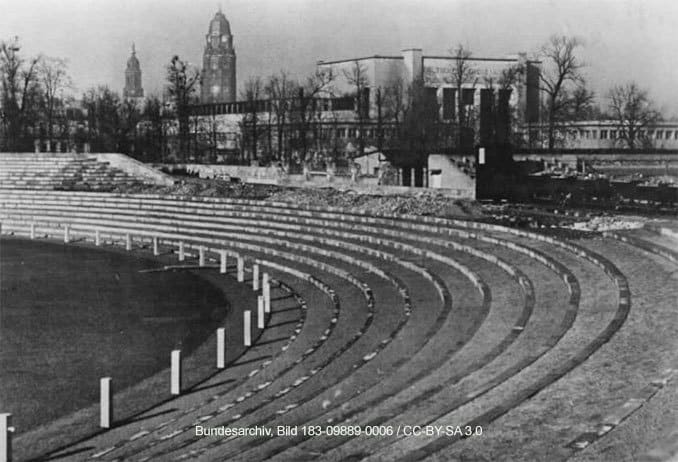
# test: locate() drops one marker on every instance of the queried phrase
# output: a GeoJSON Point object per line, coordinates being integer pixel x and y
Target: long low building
{"type": "Point", "coordinates": [609, 134]}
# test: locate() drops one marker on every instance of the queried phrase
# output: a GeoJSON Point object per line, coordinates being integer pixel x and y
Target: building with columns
{"type": "Point", "coordinates": [218, 63]}
{"type": "Point", "coordinates": [133, 89]}
{"type": "Point", "coordinates": [436, 74]}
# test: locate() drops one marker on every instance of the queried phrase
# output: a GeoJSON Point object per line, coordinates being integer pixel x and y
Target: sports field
{"type": "Point", "coordinates": [71, 314]}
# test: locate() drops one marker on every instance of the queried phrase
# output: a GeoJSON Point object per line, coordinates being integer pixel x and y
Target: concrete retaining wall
{"type": "Point", "coordinates": [274, 176]}
{"type": "Point", "coordinates": [134, 168]}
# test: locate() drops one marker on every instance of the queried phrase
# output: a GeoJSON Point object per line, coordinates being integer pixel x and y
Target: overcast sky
{"type": "Point", "coordinates": [624, 39]}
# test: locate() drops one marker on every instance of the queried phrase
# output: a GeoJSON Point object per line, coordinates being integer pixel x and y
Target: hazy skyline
{"type": "Point", "coordinates": [624, 40]}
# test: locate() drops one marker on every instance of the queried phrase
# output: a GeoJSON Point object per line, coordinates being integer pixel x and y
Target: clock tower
{"type": "Point", "coordinates": [133, 89]}
{"type": "Point", "coordinates": [218, 63]}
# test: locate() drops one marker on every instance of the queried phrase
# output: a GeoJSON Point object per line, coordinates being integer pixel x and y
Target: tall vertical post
{"type": "Point", "coordinates": [32, 230]}
{"type": "Point", "coordinates": [413, 177]}
{"type": "Point", "coordinates": [241, 269]}
{"type": "Point", "coordinates": [255, 277]}
{"type": "Point", "coordinates": [128, 242]}
{"type": "Point", "coordinates": [260, 312]}
{"type": "Point", "coordinates": [156, 252]}
{"type": "Point", "coordinates": [247, 328]}
{"type": "Point", "coordinates": [67, 234]}
{"type": "Point", "coordinates": [221, 348]}
{"type": "Point", "coordinates": [97, 237]}
{"type": "Point", "coordinates": [201, 255]}
{"type": "Point", "coordinates": [175, 379]}
{"type": "Point", "coordinates": [106, 409]}
{"type": "Point", "coordinates": [5, 437]}
{"type": "Point", "coordinates": [266, 289]}
{"type": "Point", "coordinates": [222, 262]}
{"type": "Point", "coordinates": [182, 256]}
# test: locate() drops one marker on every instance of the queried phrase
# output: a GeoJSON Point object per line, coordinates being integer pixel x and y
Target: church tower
{"type": "Point", "coordinates": [218, 63]}
{"type": "Point", "coordinates": [133, 89]}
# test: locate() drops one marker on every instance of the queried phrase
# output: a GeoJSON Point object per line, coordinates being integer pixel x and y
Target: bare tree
{"type": "Point", "coordinates": [20, 94]}
{"type": "Point", "coordinates": [154, 130]}
{"type": "Point", "coordinates": [306, 112]}
{"type": "Point", "coordinates": [279, 89]}
{"type": "Point", "coordinates": [54, 80]}
{"type": "Point", "coordinates": [463, 73]}
{"type": "Point", "coordinates": [253, 93]}
{"type": "Point", "coordinates": [633, 112]}
{"type": "Point", "coordinates": [562, 70]}
{"type": "Point", "coordinates": [357, 77]}
{"type": "Point", "coordinates": [395, 101]}
{"type": "Point", "coordinates": [129, 117]}
{"type": "Point", "coordinates": [182, 82]}
{"type": "Point", "coordinates": [420, 129]}
{"type": "Point", "coordinates": [103, 118]}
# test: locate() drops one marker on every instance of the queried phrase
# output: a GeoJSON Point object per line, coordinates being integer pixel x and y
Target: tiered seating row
{"type": "Point", "coordinates": [60, 171]}
{"type": "Point", "coordinates": [426, 247]}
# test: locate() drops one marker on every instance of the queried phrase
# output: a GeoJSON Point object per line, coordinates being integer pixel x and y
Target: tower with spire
{"type": "Point", "coordinates": [218, 63]}
{"type": "Point", "coordinates": [133, 89]}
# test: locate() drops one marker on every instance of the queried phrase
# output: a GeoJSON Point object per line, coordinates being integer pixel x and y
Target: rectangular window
{"type": "Point", "coordinates": [468, 95]}
{"type": "Point", "coordinates": [603, 134]}
{"type": "Point", "coordinates": [613, 134]}
{"type": "Point", "coordinates": [431, 95]}
{"type": "Point", "coordinates": [448, 103]}
{"type": "Point", "coordinates": [594, 134]}
{"type": "Point", "coordinates": [660, 134]}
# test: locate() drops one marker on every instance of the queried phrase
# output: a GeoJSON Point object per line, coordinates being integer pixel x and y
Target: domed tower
{"type": "Point", "coordinates": [218, 63]}
{"type": "Point", "coordinates": [133, 89]}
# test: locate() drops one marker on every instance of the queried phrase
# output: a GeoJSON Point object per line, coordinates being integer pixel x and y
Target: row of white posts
{"type": "Point", "coordinates": [105, 385]}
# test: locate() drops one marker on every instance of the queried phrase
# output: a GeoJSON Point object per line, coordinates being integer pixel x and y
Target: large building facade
{"type": "Point", "coordinates": [438, 76]}
{"type": "Point", "coordinates": [339, 123]}
{"type": "Point", "coordinates": [218, 63]}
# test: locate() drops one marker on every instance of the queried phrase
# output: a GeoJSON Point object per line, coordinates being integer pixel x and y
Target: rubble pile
{"type": "Point", "coordinates": [204, 188]}
{"type": "Point", "coordinates": [424, 203]}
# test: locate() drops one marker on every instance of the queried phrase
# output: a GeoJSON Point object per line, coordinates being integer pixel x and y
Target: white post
{"type": "Point", "coordinates": [201, 255]}
{"type": "Point", "coordinates": [260, 312]}
{"type": "Point", "coordinates": [5, 437]}
{"type": "Point", "coordinates": [241, 269]}
{"type": "Point", "coordinates": [267, 293]}
{"type": "Point", "coordinates": [155, 246]}
{"type": "Point", "coordinates": [222, 262]}
{"type": "Point", "coordinates": [67, 234]}
{"type": "Point", "coordinates": [247, 328]}
{"type": "Point", "coordinates": [175, 380]}
{"type": "Point", "coordinates": [181, 251]}
{"type": "Point", "coordinates": [128, 242]}
{"type": "Point", "coordinates": [255, 277]}
{"type": "Point", "coordinates": [97, 237]}
{"type": "Point", "coordinates": [106, 410]}
{"type": "Point", "coordinates": [32, 230]}
{"type": "Point", "coordinates": [221, 348]}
